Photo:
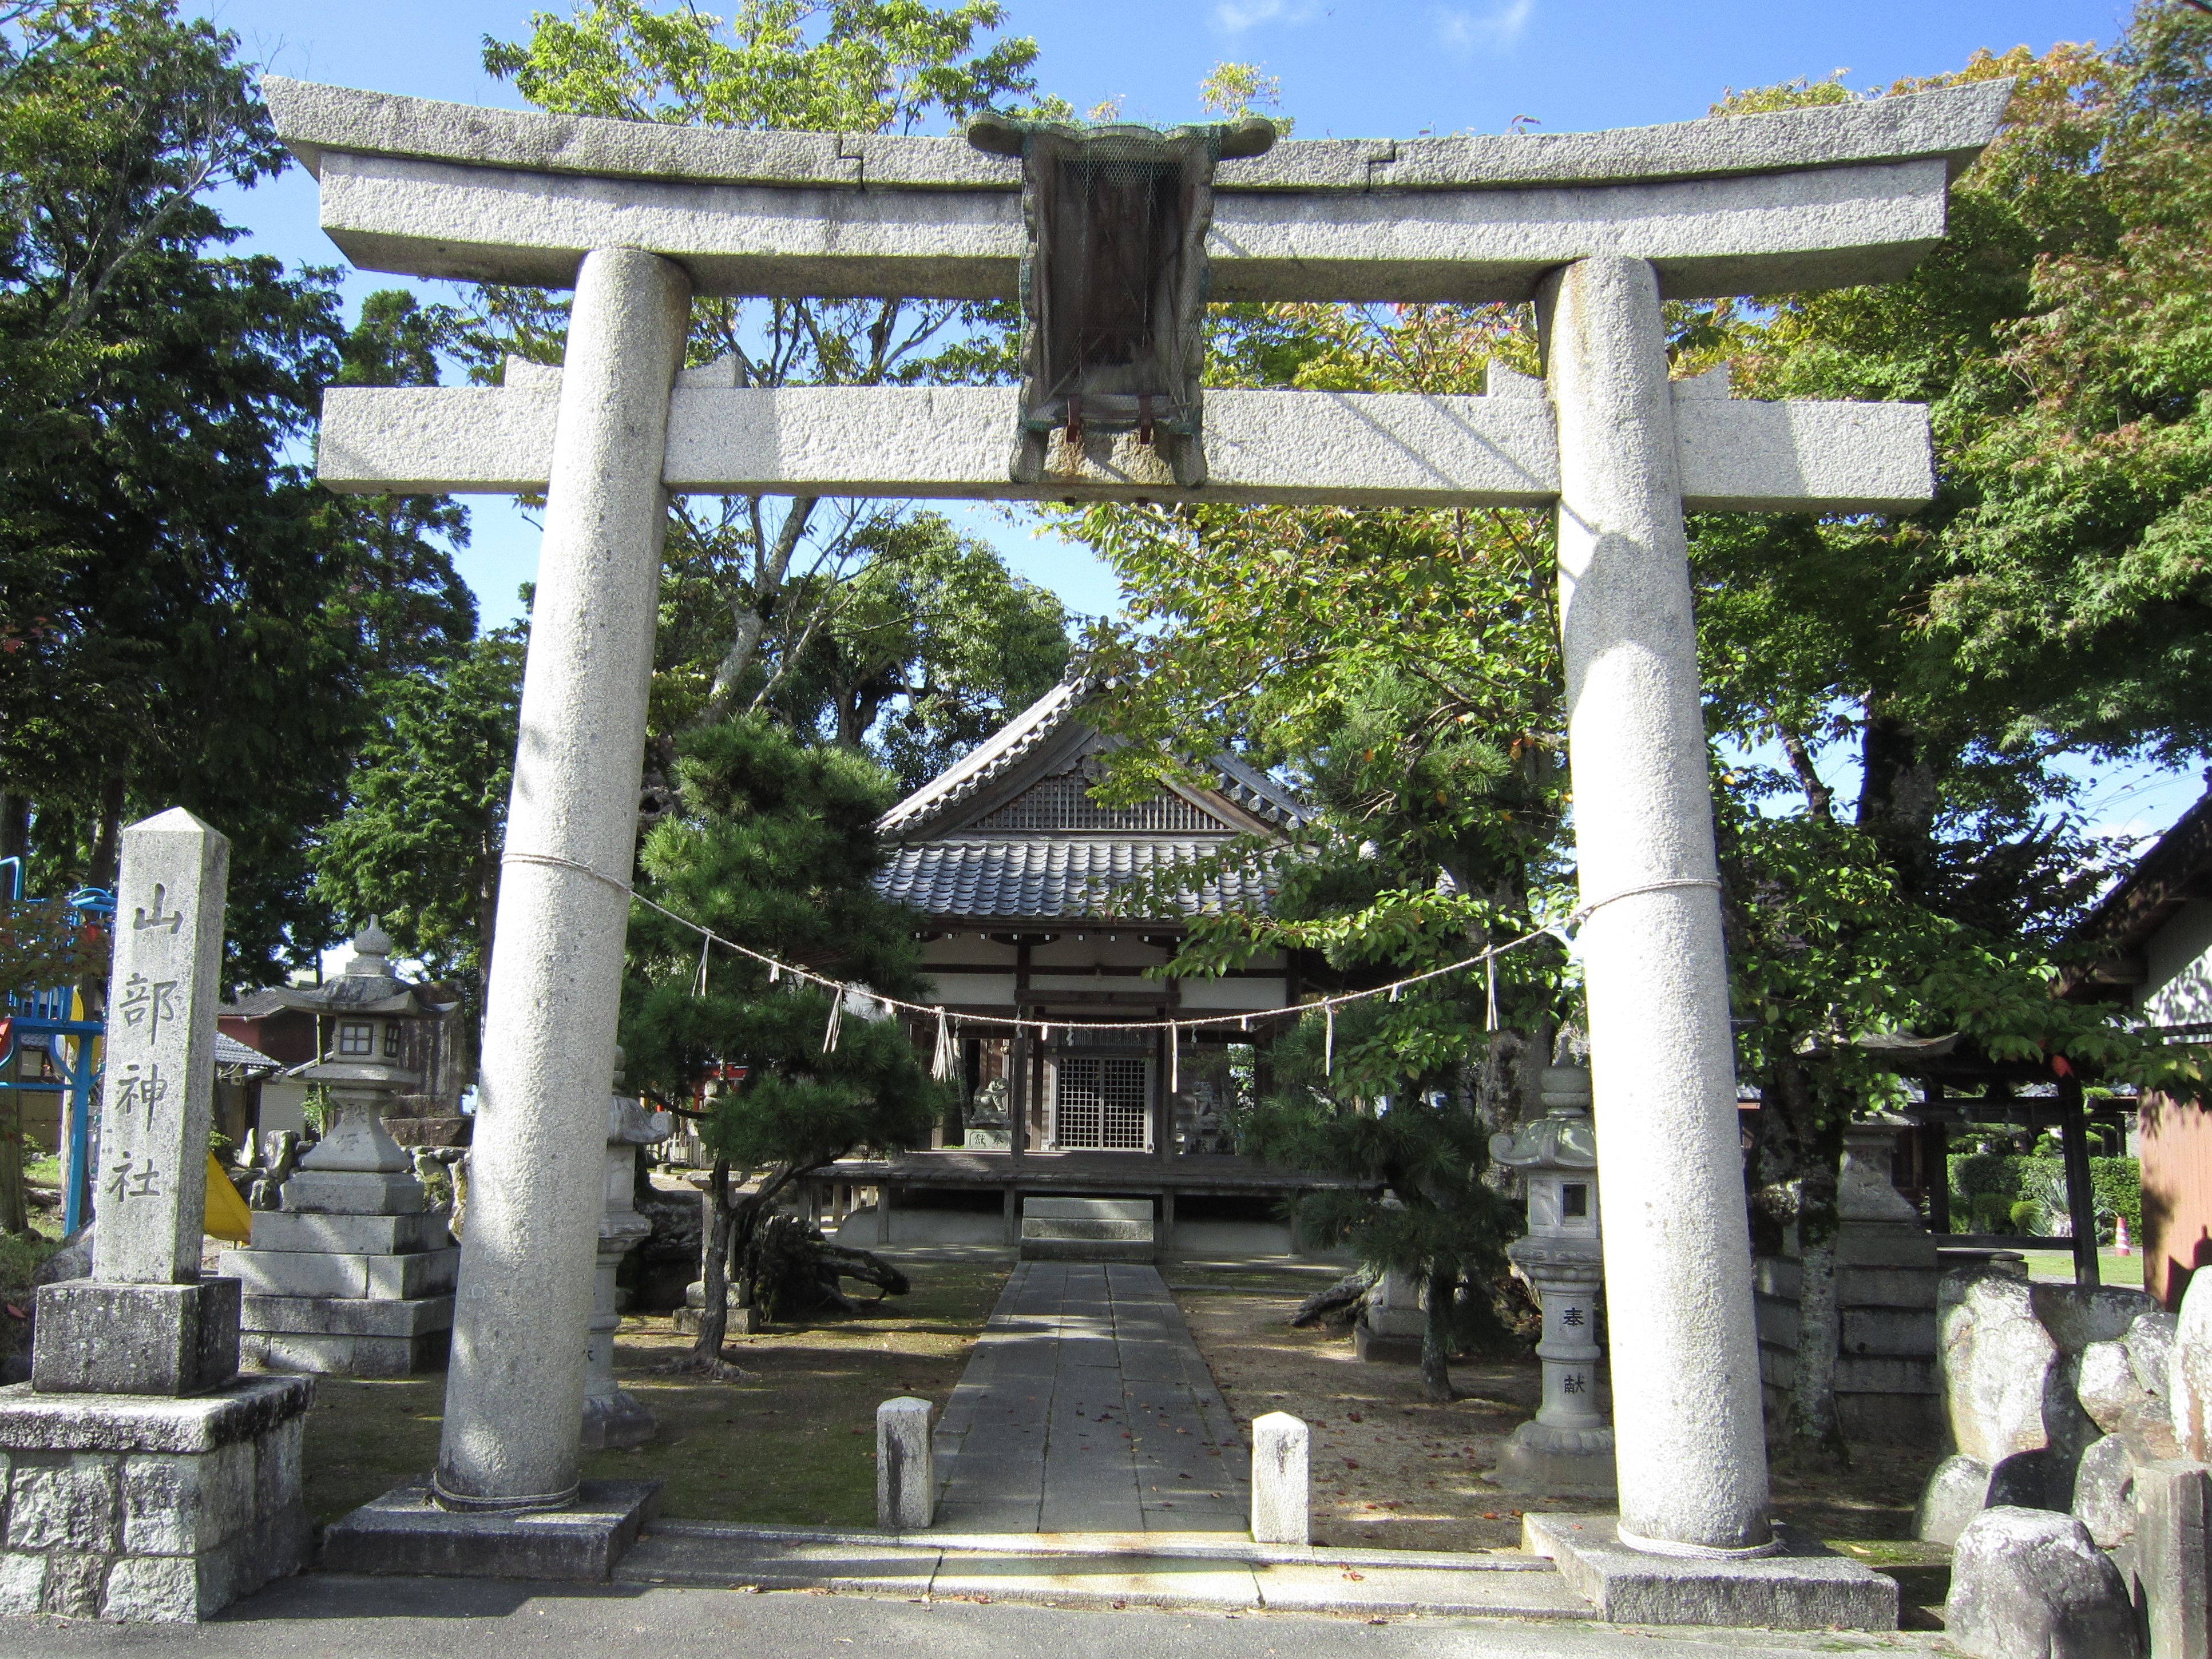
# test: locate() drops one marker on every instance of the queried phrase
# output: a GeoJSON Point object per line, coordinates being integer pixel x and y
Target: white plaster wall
{"type": "Point", "coordinates": [2179, 991]}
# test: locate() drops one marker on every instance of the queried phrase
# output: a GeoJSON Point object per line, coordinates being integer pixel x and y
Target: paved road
{"type": "Point", "coordinates": [323, 1617]}
{"type": "Point", "coordinates": [1086, 1408]}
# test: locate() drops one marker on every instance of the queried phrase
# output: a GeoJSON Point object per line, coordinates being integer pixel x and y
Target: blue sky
{"type": "Point", "coordinates": [1381, 68]}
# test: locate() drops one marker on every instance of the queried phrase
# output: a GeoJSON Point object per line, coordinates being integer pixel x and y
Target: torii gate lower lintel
{"type": "Point", "coordinates": [1598, 227]}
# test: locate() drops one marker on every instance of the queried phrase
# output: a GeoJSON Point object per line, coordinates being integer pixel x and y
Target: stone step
{"type": "Point", "coordinates": [1087, 1229]}
{"type": "Point", "coordinates": [332, 1315]}
{"type": "Point", "coordinates": [360, 1235]}
{"type": "Point", "coordinates": [346, 1356]}
{"type": "Point", "coordinates": [334, 1273]}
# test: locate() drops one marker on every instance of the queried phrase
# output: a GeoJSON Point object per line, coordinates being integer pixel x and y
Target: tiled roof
{"type": "Point", "coordinates": [992, 758]}
{"type": "Point", "coordinates": [229, 1051]}
{"type": "Point", "coordinates": [1059, 876]}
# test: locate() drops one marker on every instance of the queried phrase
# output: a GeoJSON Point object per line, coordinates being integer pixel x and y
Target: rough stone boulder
{"type": "Point", "coordinates": [2105, 1488]}
{"type": "Point", "coordinates": [1961, 1489]}
{"type": "Point", "coordinates": [2078, 1315]}
{"type": "Point", "coordinates": [2032, 1584]}
{"type": "Point", "coordinates": [2188, 1377]}
{"type": "Point", "coordinates": [2122, 1384]}
{"type": "Point", "coordinates": [1997, 1362]}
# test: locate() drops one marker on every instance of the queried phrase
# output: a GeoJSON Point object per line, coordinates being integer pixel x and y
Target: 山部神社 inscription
{"type": "Point", "coordinates": [162, 992]}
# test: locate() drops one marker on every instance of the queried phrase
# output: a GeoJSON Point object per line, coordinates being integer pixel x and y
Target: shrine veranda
{"type": "Point", "coordinates": [1597, 228]}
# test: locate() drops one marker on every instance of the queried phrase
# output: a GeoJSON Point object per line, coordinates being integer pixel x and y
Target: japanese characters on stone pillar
{"type": "Point", "coordinates": [160, 1051]}
{"type": "Point", "coordinates": [146, 1322]}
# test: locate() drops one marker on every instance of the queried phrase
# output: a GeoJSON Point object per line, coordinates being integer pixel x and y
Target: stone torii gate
{"type": "Point", "coordinates": [1597, 227]}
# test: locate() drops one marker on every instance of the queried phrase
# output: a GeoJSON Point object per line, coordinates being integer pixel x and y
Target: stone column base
{"type": "Point", "coordinates": [122, 1507]}
{"type": "Point", "coordinates": [1802, 1588]}
{"type": "Point", "coordinates": [404, 1532]}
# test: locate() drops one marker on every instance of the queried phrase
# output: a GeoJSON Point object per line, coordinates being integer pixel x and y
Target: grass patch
{"type": "Point", "coordinates": [2111, 1269]}
{"type": "Point", "coordinates": [796, 1448]}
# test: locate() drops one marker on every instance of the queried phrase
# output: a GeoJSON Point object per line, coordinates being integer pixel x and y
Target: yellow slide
{"type": "Point", "coordinates": [227, 1214]}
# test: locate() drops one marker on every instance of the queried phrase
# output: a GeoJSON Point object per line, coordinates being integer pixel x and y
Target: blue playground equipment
{"type": "Point", "coordinates": [51, 1012]}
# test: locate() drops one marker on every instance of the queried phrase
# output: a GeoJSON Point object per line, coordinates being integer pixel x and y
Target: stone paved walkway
{"type": "Point", "coordinates": [1086, 1408]}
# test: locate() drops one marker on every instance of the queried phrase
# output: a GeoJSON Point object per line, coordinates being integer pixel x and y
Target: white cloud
{"type": "Point", "coordinates": [1462, 31]}
{"type": "Point", "coordinates": [1235, 16]}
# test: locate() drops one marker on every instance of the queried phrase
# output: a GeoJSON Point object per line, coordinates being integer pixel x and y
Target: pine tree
{"type": "Point", "coordinates": [774, 850]}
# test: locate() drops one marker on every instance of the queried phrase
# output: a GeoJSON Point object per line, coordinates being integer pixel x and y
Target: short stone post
{"type": "Point", "coordinates": [613, 1417]}
{"type": "Point", "coordinates": [146, 1322]}
{"type": "Point", "coordinates": [1281, 1480]}
{"type": "Point", "coordinates": [141, 1477]}
{"type": "Point", "coordinates": [1689, 1443]}
{"type": "Point", "coordinates": [514, 1399]}
{"type": "Point", "coordinates": [2173, 1584]}
{"type": "Point", "coordinates": [906, 1467]}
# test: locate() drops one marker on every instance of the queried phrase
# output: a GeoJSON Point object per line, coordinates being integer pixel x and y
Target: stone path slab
{"type": "Point", "coordinates": [1154, 1570]}
{"type": "Point", "coordinates": [1086, 1408]}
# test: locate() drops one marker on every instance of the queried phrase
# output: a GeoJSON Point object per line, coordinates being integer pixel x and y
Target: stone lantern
{"type": "Point", "coordinates": [1568, 1448]}
{"type": "Point", "coordinates": [356, 1168]}
{"type": "Point", "coordinates": [353, 1276]}
{"type": "Point", "coordinates": [611, 1416]}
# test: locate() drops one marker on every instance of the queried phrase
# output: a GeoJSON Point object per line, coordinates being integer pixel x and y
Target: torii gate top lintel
{"type": "Point", "coordinates": [1756, 203]}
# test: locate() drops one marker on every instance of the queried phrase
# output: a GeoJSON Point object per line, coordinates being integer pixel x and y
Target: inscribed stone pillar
{"type": "Point", "coordinates": [1690, 1447]}
{"type": "Point", "coordinates": [146, 1322]}
{"type": "Point", "coordinates": [160, 1061]}
{"type": "Point", "coordinates": [514, 1396]}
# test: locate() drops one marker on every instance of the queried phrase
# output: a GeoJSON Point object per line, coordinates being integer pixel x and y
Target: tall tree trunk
{"type": "Point", "coordinates": [14, 834]}
{"type": "Point", "coordinates": [714, 1316]}
{"type": "Point", "coordinates": [15, 1210]}
{"type": "Point", "coordinates": [107, 840]}
{"type": "Point", "coordinates": [1436, 1331]}
{"type": "Point", "coordinates": [1816, 1433]}
{"type": "Point", "coordinates": [1897, 800]}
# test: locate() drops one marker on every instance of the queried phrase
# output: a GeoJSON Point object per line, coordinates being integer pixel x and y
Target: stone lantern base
{"type": "Point", "coordinates": [1545, 1461]}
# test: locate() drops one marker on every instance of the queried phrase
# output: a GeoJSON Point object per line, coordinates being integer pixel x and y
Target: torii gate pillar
{"type": "Point", "coordinates": [514, 1392]}
{"type": "Point", "coordinates": [1689, 1439]}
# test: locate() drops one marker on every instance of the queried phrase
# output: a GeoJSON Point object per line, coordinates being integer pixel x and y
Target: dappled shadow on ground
{"type": "Point", "coordinates": [795, 1446]}
{"type": "Point", "coordinates": [1390, 1469]}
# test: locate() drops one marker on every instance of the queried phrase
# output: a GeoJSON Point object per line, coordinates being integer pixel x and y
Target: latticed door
{"type": "Point", "coordinates": [1099, 1103]}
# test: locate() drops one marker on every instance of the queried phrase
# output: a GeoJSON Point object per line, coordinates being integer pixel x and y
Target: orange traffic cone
{"type": "Point", "coordinates": [2120, 1236]}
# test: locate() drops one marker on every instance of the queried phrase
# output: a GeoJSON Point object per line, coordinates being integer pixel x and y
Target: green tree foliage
{"type": "Point", "coordinates": [774, 849]}
{"type": "Point", "coordinates": [187, 619]}
{"type": "Point", "coordinates": [931, 649]}
{"type": "Point", "coordinates": [752, 584]}
{"type": "Point", "coordinates": [419, 844]}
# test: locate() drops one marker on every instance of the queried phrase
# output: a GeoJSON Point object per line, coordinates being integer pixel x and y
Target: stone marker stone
{"type": "Point", "coordinates": [2110, 1383]}
{"type": "Point", "coordinates": [1281, 1480]}
{"type": "Point", "coordinates": [2189, 1379]}
{"type": "Point", "coordinates": [2105, 1488]}
{"type": "Point", "coordinates": [2032, 1581]}
{"type": "Point", "coordinates": [146, 1322]}
{"type": "Point", "coordinates": [906, 1477]}
{"type": "Point", "coordinates": [1957, 1492]}
{"type": "Point", "coordinates": [2172, 1545]}
{"type": "Point", "coordinates": [1996, 1361]}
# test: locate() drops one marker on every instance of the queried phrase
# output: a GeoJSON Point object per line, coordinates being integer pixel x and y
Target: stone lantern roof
{"type": "Point", "coordinates": [366, 985]}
